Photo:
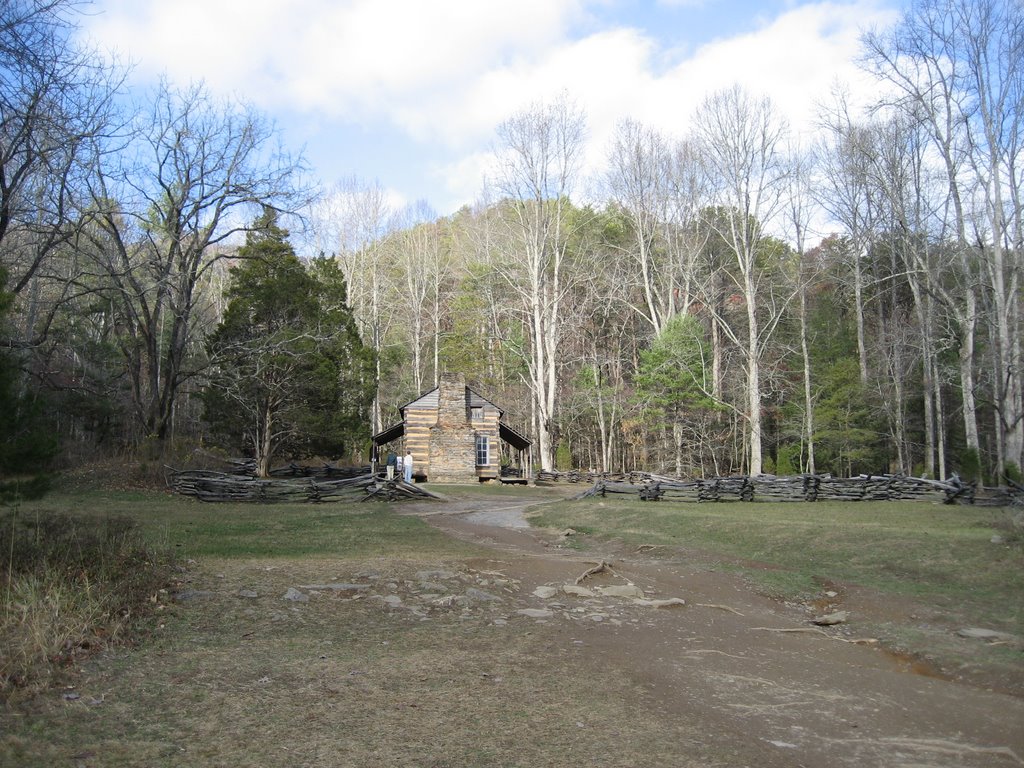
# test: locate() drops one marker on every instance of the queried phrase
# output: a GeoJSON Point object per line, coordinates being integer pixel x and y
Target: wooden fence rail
{"type": "Point", "coordinates": [650, 487]}
{"type": "Point", "coordinates": [206, 485]}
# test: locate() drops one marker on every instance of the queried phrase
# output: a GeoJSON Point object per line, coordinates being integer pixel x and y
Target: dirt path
{"type": "Point", "coordinates": [748, 672]}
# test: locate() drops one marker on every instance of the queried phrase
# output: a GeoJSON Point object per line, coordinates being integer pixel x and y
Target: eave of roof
{"type": "Point", "coordinates": [473, 398]}
{"type": "Point", "coordinates": [513, 438]}
{"type": "Point", "coordinates": [390, 434]}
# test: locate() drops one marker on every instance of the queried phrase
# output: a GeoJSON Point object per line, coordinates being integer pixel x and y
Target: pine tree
{"type": "Point", "coordinates": [289, 373]}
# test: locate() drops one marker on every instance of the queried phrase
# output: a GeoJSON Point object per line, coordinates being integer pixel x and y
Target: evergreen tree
{"type": "Point", "coordinates": [289, 373]}
{"type": "Point", "coordinates": [26, 441]}
{"type": "Point", "coordinates": [673, 382]}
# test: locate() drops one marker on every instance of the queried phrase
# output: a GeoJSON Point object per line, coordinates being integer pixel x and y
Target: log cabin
{"type": "Point", "coordinates": [453, 434]}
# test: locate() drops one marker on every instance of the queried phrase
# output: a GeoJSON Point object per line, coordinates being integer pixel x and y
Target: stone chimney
{"type": "Point", "coordinates": [452, 408]}
{"type": "Point", "coordinates": [453, 439]}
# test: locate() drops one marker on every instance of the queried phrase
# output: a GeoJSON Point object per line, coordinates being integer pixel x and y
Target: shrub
{"type": "Point", "coordinates": [71, 584]}
{"type": "Point", "coordinates": [970, 466]}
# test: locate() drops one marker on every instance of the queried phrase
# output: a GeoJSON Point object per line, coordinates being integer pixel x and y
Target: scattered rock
{"type": "Point", "coordinates": [249, 593]}
{"type": "Point", "coordinates": [429, 575]}
{"type": "Point", "coordinates": [599, 617]}
{"type": "Point", "coordinates": [997, 539]}
{"type": "Point", "coordinates": [545, 592]}
{"type": "Point", "coordinates": [568, 532]}
{"type": "Point", "coordinates": [831, 593]}
{"type": "Point", "coordinates": [393, 601]}
{"type": "Point", "coordinates": [336, 587]}
{"type": "Point", "coordinates": [575, 591]}
{"type": "Point", "coordinates": [668, 602]}
{"type": "Point", "coordinates": [295, 596]}
{"type": "Point", "coordinates": [433, 586]}
{"type": "Point", "coordinates": [622, 590]}
{"type": "Point", "coordinates": [535, 613]}
{"type": "Point", "coordinates": [479, 595]}
{"type": "Point", "coordinates": [978, 633]}
{"type": "Point", "coordinates": [839, 617]}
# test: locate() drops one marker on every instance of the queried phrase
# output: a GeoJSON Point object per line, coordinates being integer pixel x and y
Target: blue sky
{"type": "Point", "coordinates": [408, 92]}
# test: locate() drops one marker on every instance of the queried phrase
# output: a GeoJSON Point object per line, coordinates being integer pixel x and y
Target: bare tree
{"type": "Point", "coordinates": [958, 68]}
{"type": "Point", "coordinates": [55, 101]}
{"type": "Point", "coordinates": [194, 173]}
{"type": "Point", "coordinates": [741, 138]}
{"type": "Point", "coordinates": [537, 163]}
{"type": "Point", "coordinates": [362, 222]}
{"type": "Point", "coordinates": [420, 258]}
{"type": "Point", "coordinates": [799, 214]}
{"type": "Point", "coordinates": [850, 200]}
{"type": "Point", "coordinates": [638, 183]}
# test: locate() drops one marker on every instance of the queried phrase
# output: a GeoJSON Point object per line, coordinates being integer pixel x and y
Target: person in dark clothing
{"type": "Point", "coordinates": [392, 462]}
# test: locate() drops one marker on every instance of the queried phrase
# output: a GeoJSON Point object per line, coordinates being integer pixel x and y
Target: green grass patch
{"type": "Point", "coordinates": [236, 530]}
{"type": "Point", "coordinates": [939, 555]}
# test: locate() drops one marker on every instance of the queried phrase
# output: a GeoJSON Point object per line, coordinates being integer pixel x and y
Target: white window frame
{"type": "Point", "coordinates": [484, 442]}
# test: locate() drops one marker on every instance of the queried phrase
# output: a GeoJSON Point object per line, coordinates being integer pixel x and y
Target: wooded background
{"type": "Point", "coordinates": [733, 298]}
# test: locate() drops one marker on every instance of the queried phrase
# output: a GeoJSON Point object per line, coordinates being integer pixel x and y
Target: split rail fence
{"type": "Point", "coordinates": [293, 484]}
{"type": "Point", "coordinates": [650, 487]}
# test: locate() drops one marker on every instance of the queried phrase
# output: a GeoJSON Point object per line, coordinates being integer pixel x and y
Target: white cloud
{"type": "Point", "coordinates": [795, 59]}
{"type": "Point", "coordinates": [328, 55]}
{"type": "Point", "coordinates": [446, 72]}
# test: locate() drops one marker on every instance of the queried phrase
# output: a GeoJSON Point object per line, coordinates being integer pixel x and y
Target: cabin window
{"type": "Point", "coordinates": [483, 452]}
{"type": "Point", "coordinates": [477, 414]}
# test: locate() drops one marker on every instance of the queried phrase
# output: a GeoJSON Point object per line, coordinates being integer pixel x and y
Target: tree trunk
{"type": "Point", "coordinates": [808, 398]}
{"type": "Point", "coordinates": [753, 377]}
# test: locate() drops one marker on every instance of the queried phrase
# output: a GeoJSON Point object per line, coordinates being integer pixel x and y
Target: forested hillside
{"type": "Point", "coordinates": [738, 296]}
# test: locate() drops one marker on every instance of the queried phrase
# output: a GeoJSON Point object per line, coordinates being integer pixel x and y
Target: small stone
{"type": "Point", "coordinates": [392, 601]}
{"type": "Point", "coordinates": [831, 593]}
{"type": "Point", "coordinates": [249, 593]}
{"type": "Point", "coordinates": [535, 613]}
{"type": "Point", "coordinates": [437, 574]}
{"type": "Point", "coordinates": [622, 590]}
{"type": "Point", "coordinates": [598, 617]}
{"type": "Point", "coordinates": [433, 586]}
{"type": "Point", "coordinates": [336, 587]}
{"type": "Point", "coordinates": [575, 591]}
{"type": "Point", "coordinates": [668, 602]}
{"type": "Point", "coordinates": [568, 532]}
{"type": "Point", "coordinates": [499, 622]}
{"type": "Point", "coordinates": [978, 633]}
{"type": "Point", "coordinates": [831, 619]}
{"type": "Point", "coordinates": [997, 539]}
{"type": "Point", "coordinates": [295, 596]}
{"type": "Point", "coordinates": [545, 592]}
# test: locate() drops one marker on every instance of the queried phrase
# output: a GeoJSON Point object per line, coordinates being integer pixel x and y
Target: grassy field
{"type": "Point", "coordinates": [940, 556]}
{"type": "Point", "coordinates": [235, 675]}
{"type": "Point", "coordinates": [197, 530]}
